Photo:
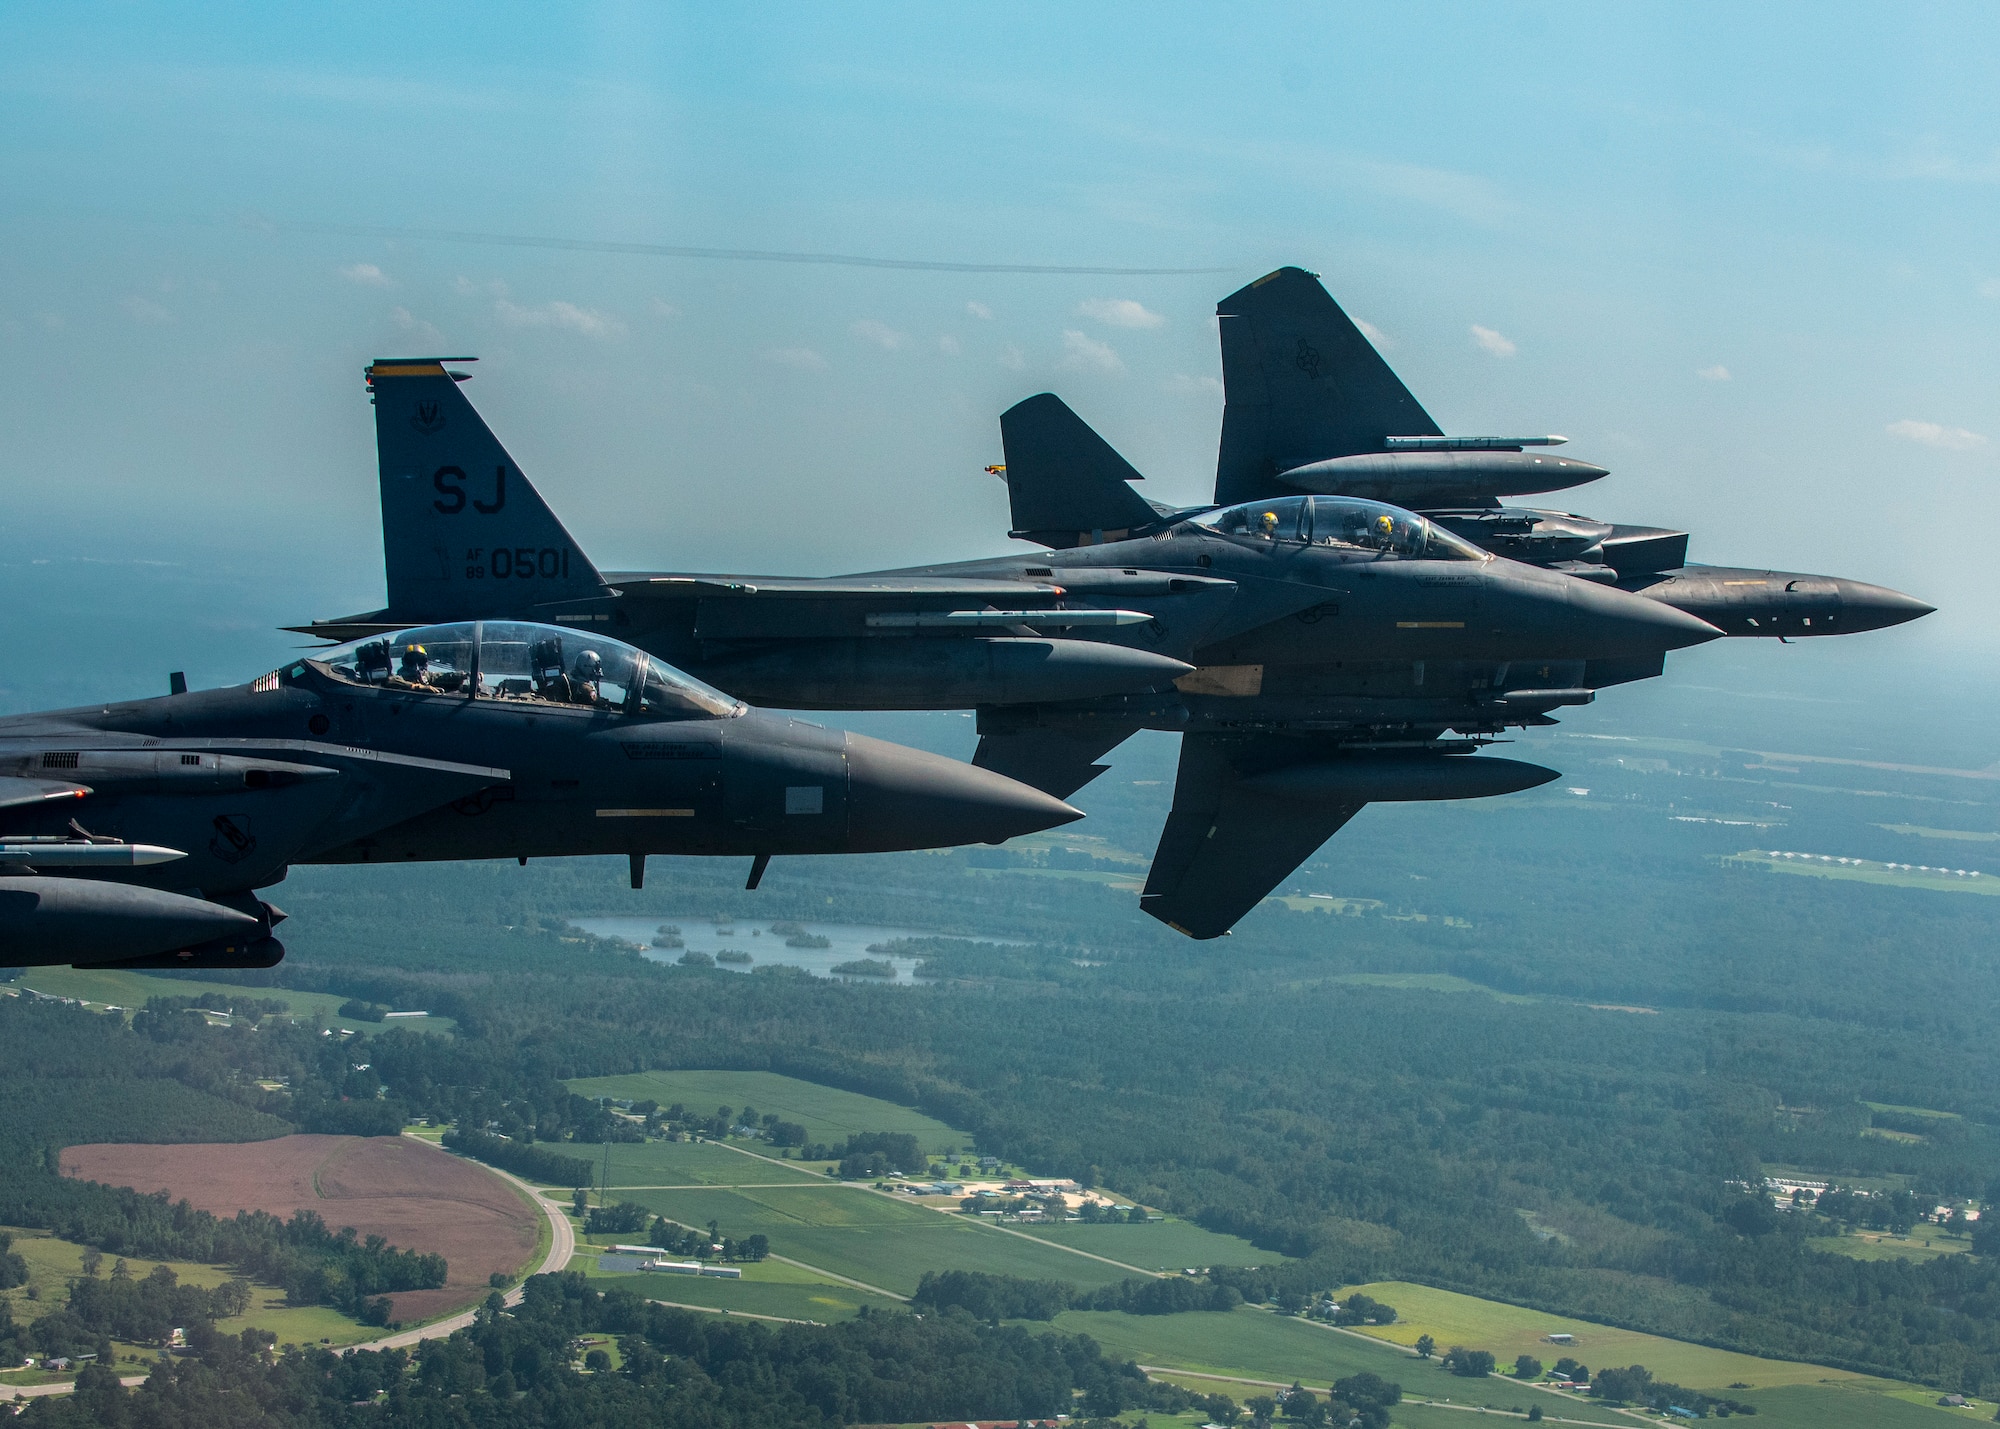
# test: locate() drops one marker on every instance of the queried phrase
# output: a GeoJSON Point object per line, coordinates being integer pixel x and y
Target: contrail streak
{"type": "Point", "coordinates": [736, 255]}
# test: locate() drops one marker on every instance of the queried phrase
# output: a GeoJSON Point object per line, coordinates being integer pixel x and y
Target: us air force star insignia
{"type": "Point", "coordinates": [1308, 359]}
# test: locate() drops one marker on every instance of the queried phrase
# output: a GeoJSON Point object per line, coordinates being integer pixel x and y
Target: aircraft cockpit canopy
{"type": "Point", "coordinates": [1343, 522]}
{"type": "Point", "coordinates": [527, 663]}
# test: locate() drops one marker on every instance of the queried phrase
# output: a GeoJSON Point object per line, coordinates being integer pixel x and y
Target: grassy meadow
{"type": "Point", "coordinates": [827, 1113]}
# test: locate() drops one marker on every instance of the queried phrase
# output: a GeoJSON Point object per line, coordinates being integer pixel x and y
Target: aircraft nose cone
{"type": "Point", "coordinates": [901, 798]}
{"type": "Point", "coordinates": [1639, 623]}
{"type": "Point", "coordinates": [1874, 607]}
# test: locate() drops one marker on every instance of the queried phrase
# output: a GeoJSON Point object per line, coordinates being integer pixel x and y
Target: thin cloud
{"type": "Point", "coordinates": [416, 327]}
{"type": "Point", "coordinates": [145, 310]}
{"type": "Point", "coordinates": [661, 308]}
{"type": "Point", "coordinates": [1717, 373]}
{"type": "Point", "coordinates": [1119, 312]}
{"type": "Point", "coordinates": [1012, 358]}
{"type": "Point", "coordinates": [1489, 341]}
{"type": "Point", "coordinates": [1083, 353]}
{"type": "Point", "coordinates": [802, 358]}
{"type": "Point", "coordinates": [364, 275]}
{"type": "Point", "coordinates": [1373, 333]}
{"type": "Point", "coordinates": [1181, 385]}
{"type": "Point", "coordinates": [880, 333]}
{"type": "Point", "coordinates": [567, 316]}
{"type": "Point", "coordinates": [980, 311]}
{"type": "Point", "coordinates": [1934, 434]}
{"type": "Point", "coordinates": [1990, 288]}
{"type": "Point", "coordinates": [948, 345]}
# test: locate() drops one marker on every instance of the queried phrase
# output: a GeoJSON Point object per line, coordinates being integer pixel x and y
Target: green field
{"type": "Point", "coordinates": [770, 1287]}
{"type": "Point", "coordinates": [1430, 982]}
{"type": "Point", "coordinates": [1919, 831]}
{"type": "Point", "coordinates": [878, 1240]}
{"type": "Point", "coordinates": [53, 1263]}
{"type": "Point", "coordinates": [695, 1163]}
{"type": "Point", "coordinates": [1874, 873]}
{"type": "Point", "coordinates": [1509, 1330]}
{"type": "Point", "coordinates": [1254, 1344]}
{"type": "Point", "coordinates": [108, 987]}
{"type": "Point", "coordinates": [1156, 1245]}
{"type": "Point", "coordinates": [826, 1113]}
{"type": "Point", "coordinates": [1923, 1243]}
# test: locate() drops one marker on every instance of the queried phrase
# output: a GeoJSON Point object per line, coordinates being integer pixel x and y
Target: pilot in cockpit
{"type": "Point", "coordinates": [586, 678]}
{"type": "Point", "coordinates": [413, 670]}
{"type": "Point", "coordinates": [1267, 525]}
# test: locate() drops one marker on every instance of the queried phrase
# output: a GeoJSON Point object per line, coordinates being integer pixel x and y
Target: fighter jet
{"type": "Point", "coordinates": [1311, 406]}
{"type": "Point", "coordinates": [1316, 651]}
{"type": "Point", "coordinates": [137, 834]}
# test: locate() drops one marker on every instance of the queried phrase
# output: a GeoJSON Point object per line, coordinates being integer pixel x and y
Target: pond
{"type": "Point", "coordinates": [846, 943]}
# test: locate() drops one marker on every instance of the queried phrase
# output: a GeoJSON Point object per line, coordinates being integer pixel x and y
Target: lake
{"type": "Point", "coordinates": [848, 941]}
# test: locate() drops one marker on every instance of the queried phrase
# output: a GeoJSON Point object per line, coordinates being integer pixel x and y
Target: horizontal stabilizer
{"type": "Point", "coordinates": [1056, 761]}
{"type": "Point", "coordinates": [1066, 486]}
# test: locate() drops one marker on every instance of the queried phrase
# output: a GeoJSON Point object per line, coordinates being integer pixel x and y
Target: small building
{"type": "Point", "coordinates": [652, 1250]}
{"type": "Point", "coordinates": [1561, 1337]}
{"type": "Point", "coordinates": [723, 1272]}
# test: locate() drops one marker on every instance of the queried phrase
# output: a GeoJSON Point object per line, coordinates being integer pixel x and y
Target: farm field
{"type": "Point", "coordinates": [112, 987]}
{"type": "Point", "coordinates": [1156, 1245]}
{"type": "Point", "coordinates": [53, 1263]}
{"type": "Point", "coordinates": [768, 1287]}
{"type": "Point", "coordinates": [694, 1163]}
{"type": "Point", "coordinates": [418, 1197]}
{"type": "Point", "coordinates": [1509, 1330]}
{"type": "Point", "coordinates": [872, 1238]}
{"type": "Point", "coordinates": [1254, 1344]}
{"type": "Point", "coordinates": [1924, 1243]}
{"type": "Point", "coordinates": [826, 1113]}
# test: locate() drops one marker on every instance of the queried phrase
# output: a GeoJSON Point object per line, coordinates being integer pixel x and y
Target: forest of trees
{"type": "Point", "coordinates": [1678, 1024]}
{"type": "Point", "coordinates": [677, 1367]}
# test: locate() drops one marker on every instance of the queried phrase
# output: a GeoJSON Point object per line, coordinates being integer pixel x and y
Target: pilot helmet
{"type": "Point", "coordinates": [588, 666]}
{"type": "Point", "coordinates": [415, 657]}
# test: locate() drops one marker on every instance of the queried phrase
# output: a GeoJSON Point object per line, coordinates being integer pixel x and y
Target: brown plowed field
{"type": "Point", "coordinates": [420, 1198]}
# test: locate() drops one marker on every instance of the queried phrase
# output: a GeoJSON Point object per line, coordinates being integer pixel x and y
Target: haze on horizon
{"type": "Point", "coordinates": [1745, 259]}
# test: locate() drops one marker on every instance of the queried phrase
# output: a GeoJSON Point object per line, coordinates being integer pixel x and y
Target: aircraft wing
{"type": "Point", "coordinates": [658, 586]}
{"type": "Point", "coordinates": [1227, 843]}
{"type": "Point", "coordinates": [16, 792]}
{"type": "Point", "coordinates": [1248, 809]}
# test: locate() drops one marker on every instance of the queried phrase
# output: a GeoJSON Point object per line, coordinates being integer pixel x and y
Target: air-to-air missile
{"type": "Point", "coordinates": [138, 833]}
{"type": "Point", "coordinates": [1318, 643]}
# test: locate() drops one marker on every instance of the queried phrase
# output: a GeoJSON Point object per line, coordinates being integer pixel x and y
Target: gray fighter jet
{"type": "Point", "coordinates": [1318, 652]}
{"type": "Point", "coordinates": [137, 834]}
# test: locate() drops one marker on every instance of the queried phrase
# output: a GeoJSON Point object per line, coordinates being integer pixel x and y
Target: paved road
{"type": "Point", "coordinates": [37, 1391]}
{"type": "Point", "coordinates": [562, 1246]}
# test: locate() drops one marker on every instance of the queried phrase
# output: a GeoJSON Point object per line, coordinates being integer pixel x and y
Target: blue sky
{"type": "Point", "coordinates": [1745, 256]}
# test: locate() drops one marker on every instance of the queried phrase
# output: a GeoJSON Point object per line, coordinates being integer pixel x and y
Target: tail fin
{"type": "Point", "coordinates": [463, 533]}
{"type": "Point", "coordinates": [1065, 484]}
{"type": "Point", "coordinates": [1301, 384]}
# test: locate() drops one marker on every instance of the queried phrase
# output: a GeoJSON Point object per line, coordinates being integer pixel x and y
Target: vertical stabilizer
{"type": "Point", "coordinates": [1066, 486]}
{"type": "Point", "coordinates": [1301, 384]}
{"type": "Point", "coordinates": [464, 535]}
